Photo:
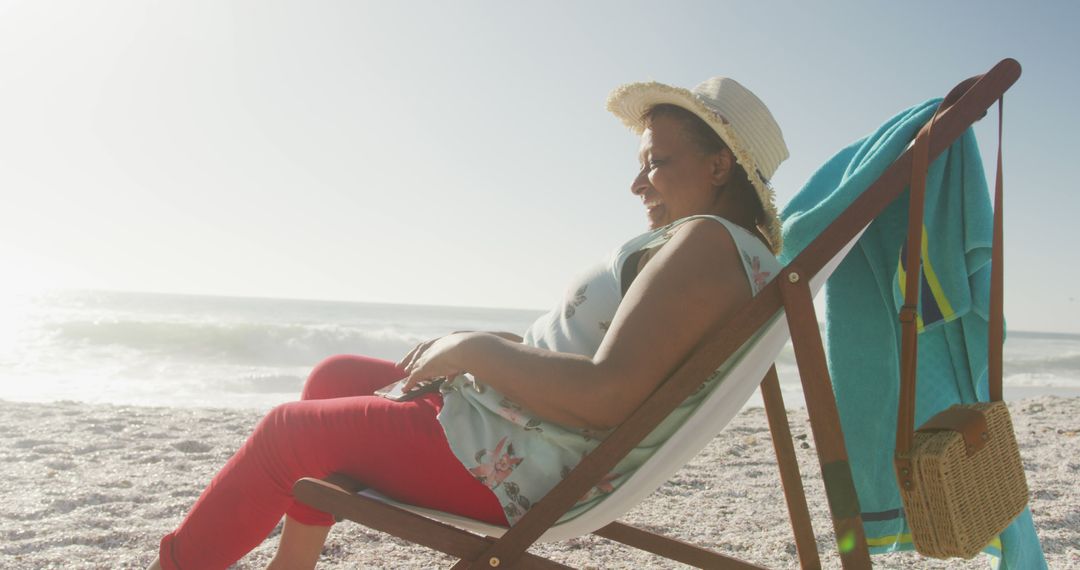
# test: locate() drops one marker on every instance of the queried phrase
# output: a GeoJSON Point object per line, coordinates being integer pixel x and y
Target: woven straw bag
{"type": "Point", "coordinates": [960, 474]}
{"type": "Point", "coordinates": [960, 498]}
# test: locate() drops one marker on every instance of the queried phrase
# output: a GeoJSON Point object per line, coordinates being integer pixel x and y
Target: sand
{"type": "Point", "coordinates": [96, 486]}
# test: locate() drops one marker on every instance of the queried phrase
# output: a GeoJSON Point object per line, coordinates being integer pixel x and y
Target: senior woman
{"type": "Point", "coordinates": [518, 413]}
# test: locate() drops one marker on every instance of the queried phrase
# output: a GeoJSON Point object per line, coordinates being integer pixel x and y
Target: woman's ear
{"type": "Point", "coordinates": [723, 163]}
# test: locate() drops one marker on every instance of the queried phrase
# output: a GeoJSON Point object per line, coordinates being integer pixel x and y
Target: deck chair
{"type": "Point", "coordinates": [754, 336]}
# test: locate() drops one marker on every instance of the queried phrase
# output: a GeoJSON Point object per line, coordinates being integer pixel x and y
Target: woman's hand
{"type": "Point", "coordinates": [419, 349]}
{"type": "Point", "coordinates": [439, 358]}
{"type": "Point", "coordinates": [408, 362]}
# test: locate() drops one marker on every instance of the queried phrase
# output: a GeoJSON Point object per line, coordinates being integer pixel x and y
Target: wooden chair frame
{"type": "Point", "coordinates": [790, 292]}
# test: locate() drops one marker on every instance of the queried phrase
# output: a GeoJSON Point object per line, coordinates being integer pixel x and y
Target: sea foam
{"type": "Point", "coordinates": [186, 351]}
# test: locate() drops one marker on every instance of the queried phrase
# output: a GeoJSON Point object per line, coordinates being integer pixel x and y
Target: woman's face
{"type": "Point", "coordinates": [676, 178]}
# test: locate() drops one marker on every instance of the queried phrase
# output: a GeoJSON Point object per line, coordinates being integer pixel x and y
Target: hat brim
{"type": "Point", "coordinates": [630, 102]}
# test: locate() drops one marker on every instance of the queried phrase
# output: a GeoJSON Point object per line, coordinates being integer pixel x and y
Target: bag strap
{"type": "Point", "coordinates": [997, 276]}
{"type": "Point", "coordinates": [909, 357]}
{"type": "Point", "coordinates": [909, 312]}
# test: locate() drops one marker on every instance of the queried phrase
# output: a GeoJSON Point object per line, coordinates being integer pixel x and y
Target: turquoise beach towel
{"type": "Point", "coordinates": [863, 298]}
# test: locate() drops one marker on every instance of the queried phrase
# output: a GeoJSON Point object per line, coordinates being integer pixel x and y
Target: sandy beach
{"type": "Point", "coordinates": [96, 486]}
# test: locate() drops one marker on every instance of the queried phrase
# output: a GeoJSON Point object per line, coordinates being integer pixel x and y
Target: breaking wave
{"type": "Point", "coordinates": [235, 343]}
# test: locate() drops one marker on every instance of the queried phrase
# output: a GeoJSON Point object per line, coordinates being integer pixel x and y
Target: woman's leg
{"type": "Point", "coordinates": [347, 375]}
{"type": "Point", "coordinates": [336, 377]}
{"type": "Point", "coordinates": [398, 448]}
{"type": "Point", "coordinates": [300, 545]}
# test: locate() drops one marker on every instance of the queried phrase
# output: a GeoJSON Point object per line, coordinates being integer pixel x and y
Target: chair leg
{"type": "Point", "coordinates": [790, 477]}
{"type": "Point", "coordinates": [824, 419]}
{"type": "Point", "coordinates": [671, 548]}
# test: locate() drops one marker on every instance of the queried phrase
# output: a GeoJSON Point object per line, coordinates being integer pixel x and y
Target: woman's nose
{"type": "Point", "coordinates": [640, 183]}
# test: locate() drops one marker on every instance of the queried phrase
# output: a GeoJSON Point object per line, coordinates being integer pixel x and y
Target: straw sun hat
{"type": "Point", "coordinates": [737, 115]}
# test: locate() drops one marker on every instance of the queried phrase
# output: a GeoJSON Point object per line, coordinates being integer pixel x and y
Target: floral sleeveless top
{"type": "Point", "coordinates": [521, 457]}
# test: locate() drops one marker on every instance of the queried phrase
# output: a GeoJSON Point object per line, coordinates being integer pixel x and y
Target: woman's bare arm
{"type": "Point", "coordinates": [691, 283]}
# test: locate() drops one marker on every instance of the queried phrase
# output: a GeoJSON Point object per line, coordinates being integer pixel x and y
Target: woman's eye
{"type": "Point", "coordinates": [655, 163]}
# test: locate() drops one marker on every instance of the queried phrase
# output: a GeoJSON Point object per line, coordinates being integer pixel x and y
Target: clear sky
{"type": "Point", "coordinates": [459, 152]}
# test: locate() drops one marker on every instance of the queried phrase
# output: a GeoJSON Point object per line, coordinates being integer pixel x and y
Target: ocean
{"type": "Point", "coordinates": [205, 351]}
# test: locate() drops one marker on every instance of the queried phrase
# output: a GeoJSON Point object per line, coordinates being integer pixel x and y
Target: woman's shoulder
{"type": "Point", "coordinates": [704, 229]}
{"type": "Point", "coordinates": [710, 237]}
{"type": "Point", "coordinates": [733, 243]}
{"type": "Point", "coordinates": [722, 230]}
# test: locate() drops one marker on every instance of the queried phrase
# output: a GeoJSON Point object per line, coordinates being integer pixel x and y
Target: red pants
{"type": "Point", "coordinates": [397, 448]}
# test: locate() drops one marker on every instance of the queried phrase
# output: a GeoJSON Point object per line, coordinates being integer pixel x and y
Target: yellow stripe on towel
{"type": "Point", "coordinates": [889, 540]}
{"type": "Point", "coordinates": [947, 311]}
{"type": "Point", "coordinates": [905, 539]}
{"type": "Point", "coordinates": [944, 306]}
